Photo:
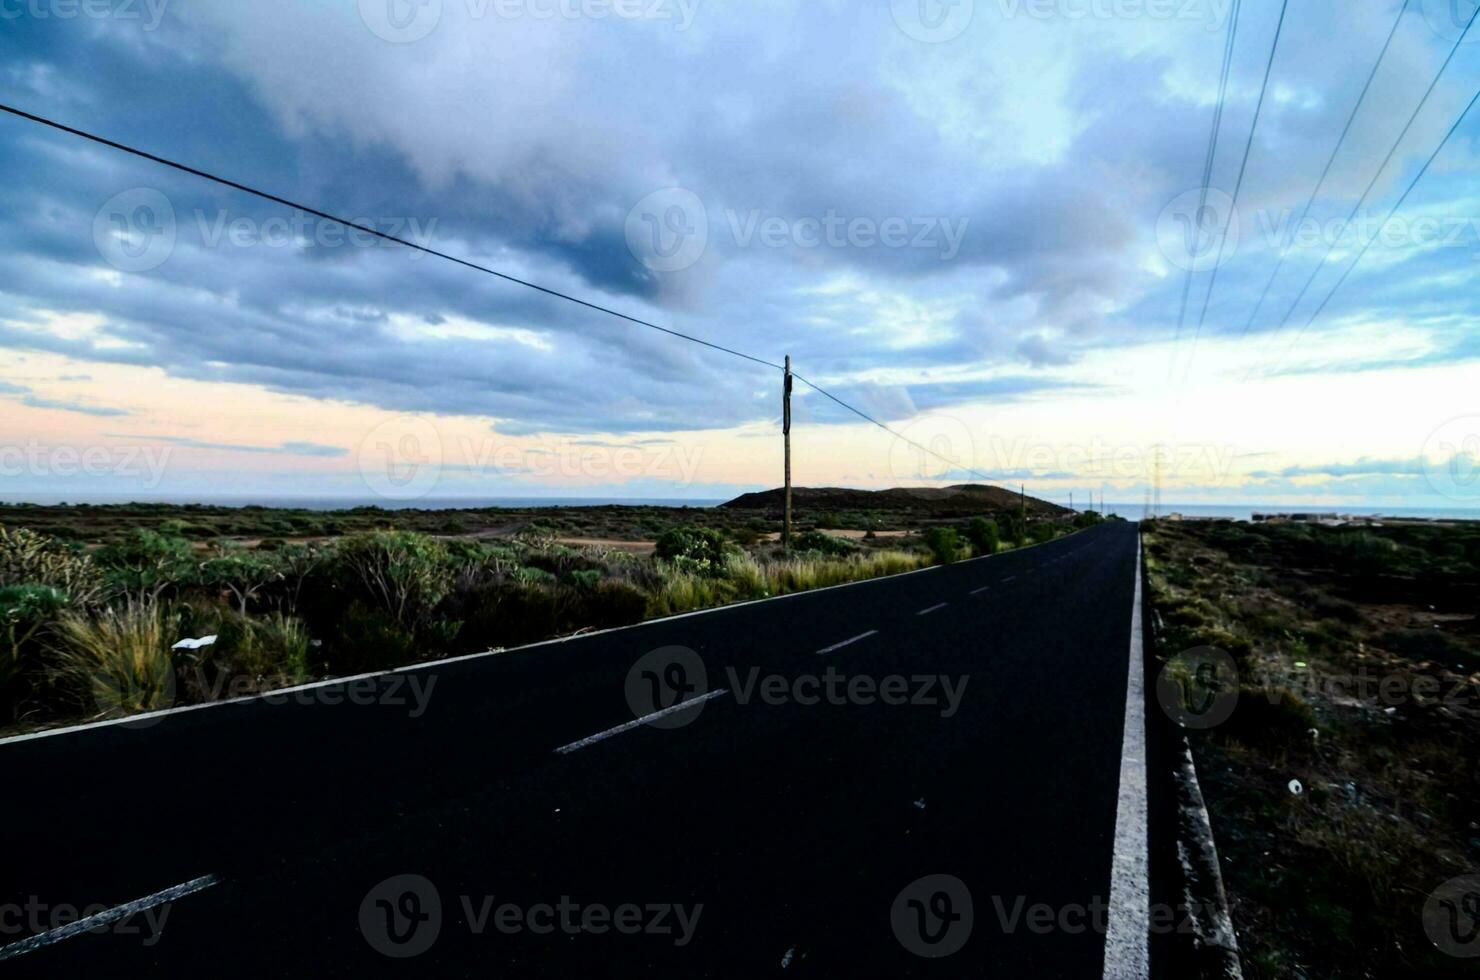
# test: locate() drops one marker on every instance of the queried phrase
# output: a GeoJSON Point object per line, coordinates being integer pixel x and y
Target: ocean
{"type": "Point", "coordinates": [1246, 512]}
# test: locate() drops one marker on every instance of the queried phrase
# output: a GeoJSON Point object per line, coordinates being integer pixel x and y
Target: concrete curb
{"type": "Point", "coordinates": [1214, 953]}
{"type": "Point", "coordinates": [1215, 945]}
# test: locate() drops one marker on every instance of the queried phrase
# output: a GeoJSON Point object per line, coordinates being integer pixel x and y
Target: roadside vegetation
{"type": "Point", "coordinates": [1343, 789]}
{"type": "Point", "coordinates": [134, 617]}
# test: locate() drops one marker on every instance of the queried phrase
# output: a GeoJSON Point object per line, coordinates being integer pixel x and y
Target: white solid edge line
{"type": "Point", "coordinates": [1127, 936]}
{"type": "Point", "coordinates": [634, 723]}
{"type": "Point", "coordinates": [839, 646]}
{"type": "Point", "coordinates": [106, 917]}
{"type": "Point", "coordinates": [434, 664]}
{"type": "Point", "coordinates": [927, 612]}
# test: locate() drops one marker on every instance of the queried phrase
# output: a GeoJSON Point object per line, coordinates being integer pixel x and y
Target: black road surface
{"type": "Point", "coordinates": [755, 833]}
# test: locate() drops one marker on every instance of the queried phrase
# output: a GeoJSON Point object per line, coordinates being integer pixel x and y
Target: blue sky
{"type": "Point", "coordinates": [968, 220]}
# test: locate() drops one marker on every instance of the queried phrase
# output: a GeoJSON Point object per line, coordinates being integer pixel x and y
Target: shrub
{"type": "Point", "coordinates": [1010, 528]}
{"type": "Point", "coordinates": [703, 546]}
{"type": "Point", "coordinates": [944, 544]}
{"type": "Point", "coordinates": [244, 574]}
{"type": "Point", "coordinates": [145, 563]}
{"type": "Point", "coordinates": [367, 638]}
{"type": "Point", "coordinates": [118, 660]}
{"type": "Point", "coordinates": [822, 543]}
{"type": "Point", "coordinates": [25, 610]}
{"type": "Point", "coordinates": [275, 648]}
{"type": "Point", "coordinates": [613, 603]}
{"type": "Point", "coordinates": [1044, 531]}
{"type": "Point", "coordinates": [28, 558]}
{"type": "Point", "coordinates": [983, 536]}
{"type": "Point", "coordinates": [401, 573]}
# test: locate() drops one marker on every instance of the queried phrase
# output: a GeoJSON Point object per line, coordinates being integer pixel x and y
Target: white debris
{"type": "Point", "coordinates": [786, 960]}
{"type": "Point", "coordinates": [920, 803]}
{"type": "Point", "coordinates": [204, 641]}
{"type": "Point", "coordinates": [1296, 788]}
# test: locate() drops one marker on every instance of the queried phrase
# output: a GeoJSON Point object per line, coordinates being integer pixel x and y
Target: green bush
{"type": "Point", "coordinates": [145, 563]}
{"type": "Point", "coordinates": [401, 573]}
{"type": "Point", "coordinates": [1044, 531]}
{"type": "Point", "coordinates": [275, 649]}
{"type": "Point", "coordinates": [703, 546]}
{"type": "Point", "coordinates": [244, 574]}
{"type": "Point", "coordinates": [25, 611]}
{"type": "Point", "coordinates": [825, 544]}
{"type": "Point", "coordinates": [117, 661]}
{"type": "Point", "coordinates": [983, 536]}
{"type": "Point", "coordinates": [368, 638]}
{"type": "Point", "coordinates": [944, 543]}
{"type": "Point", "coordinates": [28, 558]}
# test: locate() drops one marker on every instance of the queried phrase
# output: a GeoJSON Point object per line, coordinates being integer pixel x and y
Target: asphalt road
{"type": "Point", "coordinates": [787, 824]}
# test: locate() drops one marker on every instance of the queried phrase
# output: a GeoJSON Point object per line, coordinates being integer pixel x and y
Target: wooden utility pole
{"type": "Point", "coordinates": [1022, 513]}
{"type": "Point", "coordinates": [786, 436]}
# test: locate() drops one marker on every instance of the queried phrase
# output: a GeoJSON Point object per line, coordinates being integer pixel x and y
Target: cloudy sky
{"type": "Point", "coordinates": [971, 221]}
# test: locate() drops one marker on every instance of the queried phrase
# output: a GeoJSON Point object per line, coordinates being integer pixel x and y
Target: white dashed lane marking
{"type": "Point", "coordinates": [927, 612]}
{"type": "Point", "coordinates": [839, 646]}
{"type": "Point", "coordinates": [636, 722]}
{"type": "Point", "coordinates": [107, 918]}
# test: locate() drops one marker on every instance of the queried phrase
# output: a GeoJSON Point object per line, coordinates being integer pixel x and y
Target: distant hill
{"type": "Point", "coordinates": [966, 498]}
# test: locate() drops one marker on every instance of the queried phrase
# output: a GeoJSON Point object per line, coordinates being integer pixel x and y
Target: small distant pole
{"type": "Point", "coordinates": [1071, 499]}
{"type": "Point", "coordinates": [1023, 512]}
{"type": "Point", "coordinates": [786, 436]}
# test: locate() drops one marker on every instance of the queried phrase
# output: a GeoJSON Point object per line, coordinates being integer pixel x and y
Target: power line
{"type": "Point", "coordinates": [1346, 130]}
{"type": "Point", "coordinates": [1373, 237]}
{"type": "Point", "coordinates": [869, 418]}
{"type": "Point", "coordinates": [1376, 176]}
{"type": "Point", "coordinates": [1238, 185]}
{"type": "Point", "coordinates": [1207, 175]}
{"type": "Point", "coordinates": [234, 185]}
